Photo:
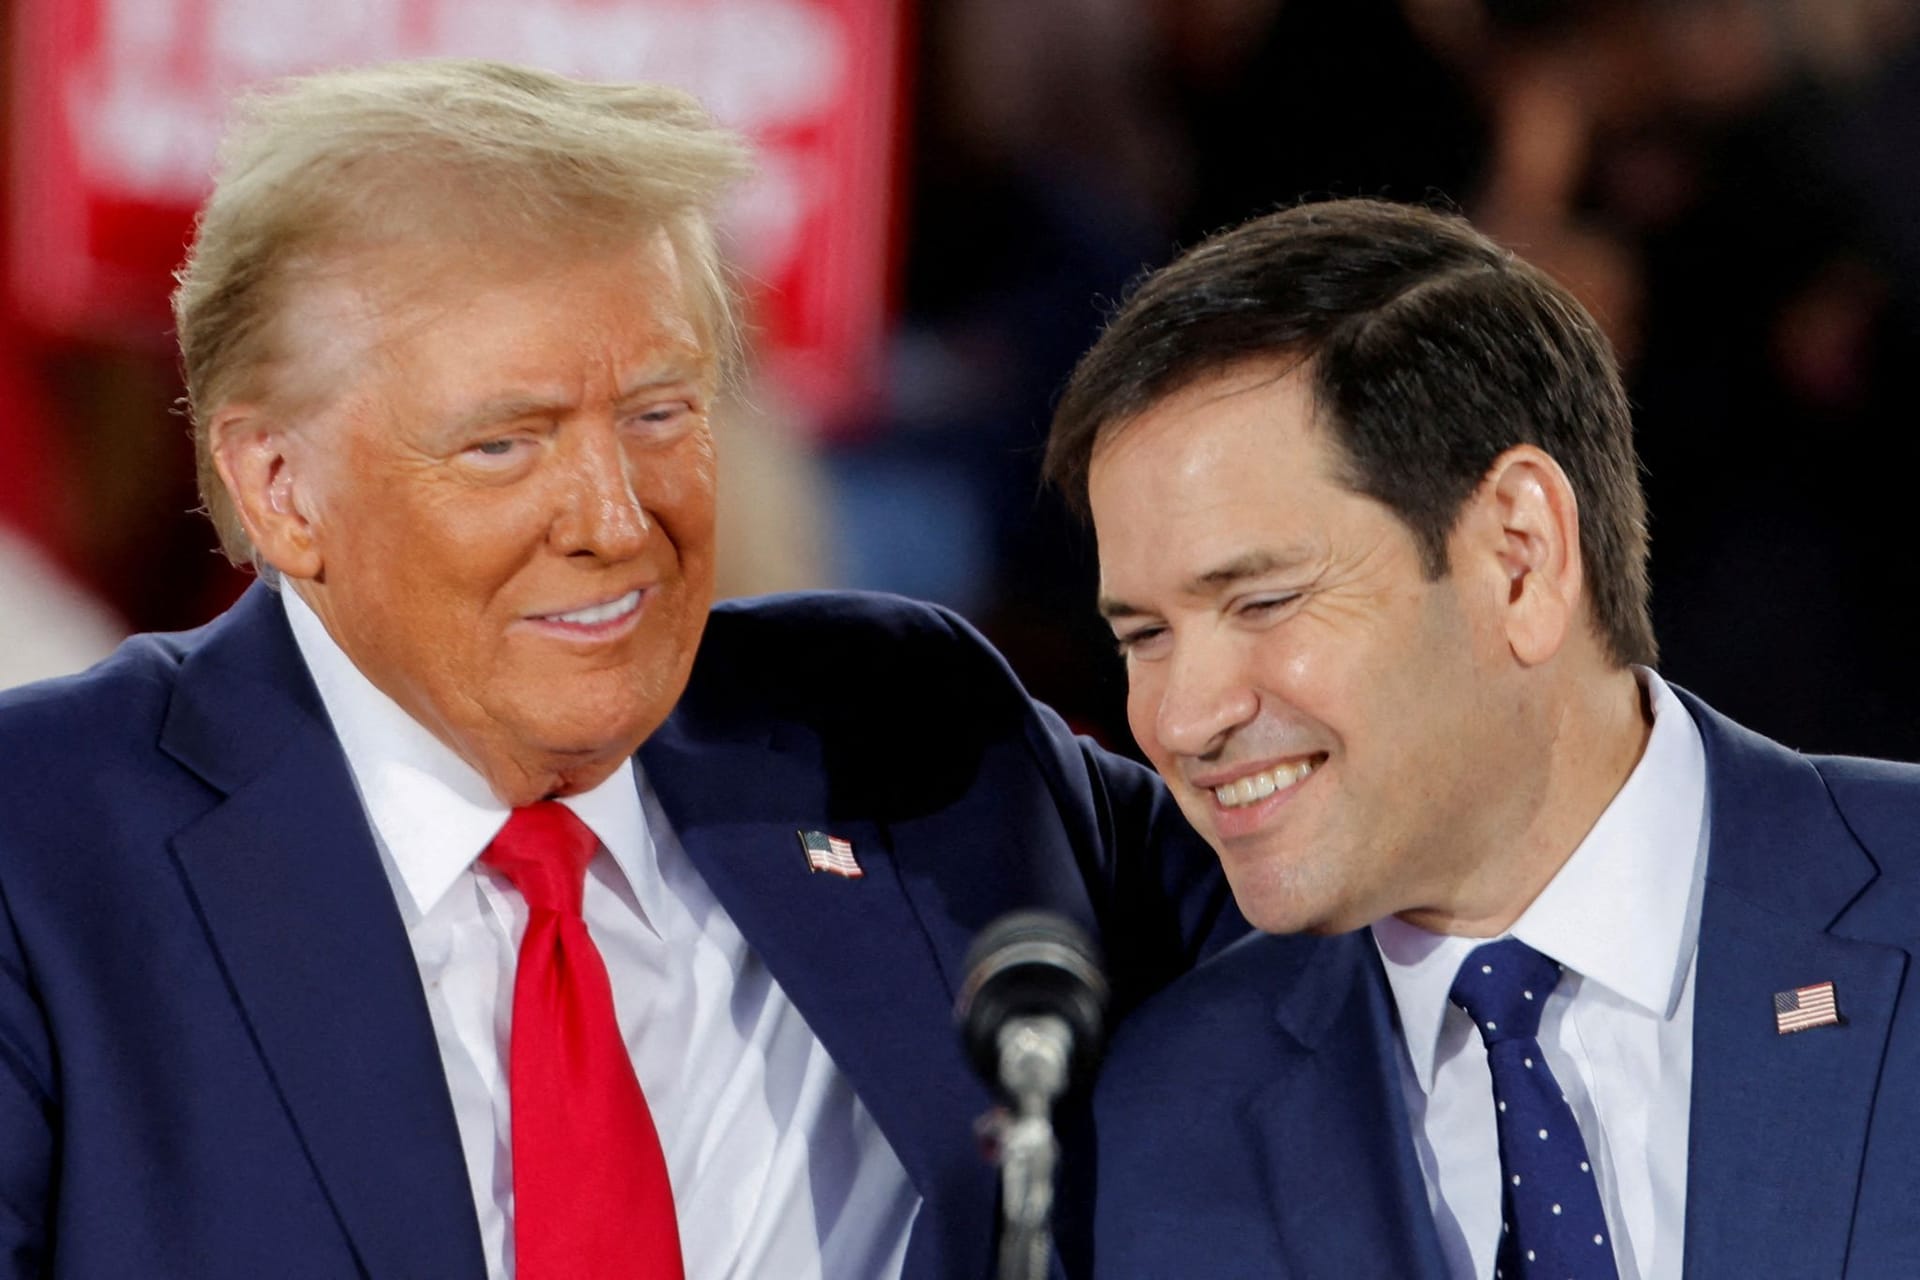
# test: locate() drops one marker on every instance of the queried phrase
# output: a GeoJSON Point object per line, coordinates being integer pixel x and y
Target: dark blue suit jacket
{"type": "Point", "coordinates": [215, 1056]}
{"type": "Point", "coordinates": [1251, 1122]}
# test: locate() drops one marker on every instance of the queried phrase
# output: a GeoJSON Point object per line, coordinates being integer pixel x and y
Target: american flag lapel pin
{"type": "Point", "coordinates": [1804, 1008]}
{"type": "Point", "coordinates": [830, 854]}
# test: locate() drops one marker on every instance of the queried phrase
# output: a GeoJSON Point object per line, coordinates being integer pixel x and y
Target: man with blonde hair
{"type": "Point", "coordinates": [467, 900]}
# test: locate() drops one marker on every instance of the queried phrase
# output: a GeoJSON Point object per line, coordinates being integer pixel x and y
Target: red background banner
{"type": "Point", "coordinates": [119, 106]}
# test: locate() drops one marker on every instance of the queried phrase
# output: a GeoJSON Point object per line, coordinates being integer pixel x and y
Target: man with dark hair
{"type": "Point", "coordinates": [1562, 973]}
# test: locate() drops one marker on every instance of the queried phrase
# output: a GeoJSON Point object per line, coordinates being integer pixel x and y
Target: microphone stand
{"type": "Point", "coordinates": [1031, 1014]}
{"type": "Point", "coordinates": [1034, 1059]}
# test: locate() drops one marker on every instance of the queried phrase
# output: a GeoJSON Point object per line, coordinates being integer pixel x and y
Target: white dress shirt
{"type": "Point", "coordinates": [1623, 917]}
{"type": "Point", "coordinates": [777, 1168]}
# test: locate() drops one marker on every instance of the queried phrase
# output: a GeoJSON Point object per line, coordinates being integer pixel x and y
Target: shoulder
{"type": "Point", "coordinates": [1178, 1174]}
{"type": "Point", "coordinates": [903, 704]}
{"type": "Point", "coordinates": [126, 690]}
{"type": "Point", "coordinates": [1203, 1029]}
{"type": "Point", "coordinates": [92, 741]}
{"type": "Point", "coordinates": [829, 656]}
{"type": "Point", "coordinates": [827, 630]}
{"type": "Point", "coordinates": [1767, 789]}
{"type": "Point", "coordinates": [80, 766]}
{"type": "Point", "coordinates": [1871, 784]}
{"type": "Point", "coordinates": [1808, 829]}
{"type": "Point", "coordinates": [1880, 802]}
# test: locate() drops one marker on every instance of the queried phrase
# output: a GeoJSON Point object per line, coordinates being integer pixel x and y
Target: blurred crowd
{"type": "Point", "coordinates": [1732, 186]}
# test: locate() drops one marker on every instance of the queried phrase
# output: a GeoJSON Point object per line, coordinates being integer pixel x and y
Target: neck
{"type": "Point", "coordinates": [1585, 750]}
{"type": "Point", "coordinates": [519, 783]}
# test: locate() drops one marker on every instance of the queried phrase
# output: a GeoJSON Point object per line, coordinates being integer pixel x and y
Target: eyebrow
{"type": "Point", "coordinates": [665, 374]}
{"type": "Point", "coordinates": [507, 408]}
{"type": "Point", "coordinates": [514, 405]}
{"type": "Point", "coordinates": [1250, 564]}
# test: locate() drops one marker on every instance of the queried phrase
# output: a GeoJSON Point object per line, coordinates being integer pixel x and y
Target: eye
{"type": "Point", "coordinates": [1259, 608]}
{"type": "Point", "coordinates": [661, 421]}
{"type": "Point", "coordinates": [1142, 642]}
{"type": "Point", "coordinates": [499, 455]}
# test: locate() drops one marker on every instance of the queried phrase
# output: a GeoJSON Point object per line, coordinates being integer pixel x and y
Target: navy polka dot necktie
{"type": "Point", "coordinates": [1552, 1225]}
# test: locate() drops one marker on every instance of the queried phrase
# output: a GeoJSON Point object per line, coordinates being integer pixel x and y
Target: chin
{"type": "Point", "coordinates": [596, 709]}
{"type": "Point", "coordinates": [571, 720]}
{"type": "Point", "coordinates": [586, 738]}
{"type": "Point", "coordinates": [1292, 918]}
{"type": "Point", "coordinates": [1275, 900]}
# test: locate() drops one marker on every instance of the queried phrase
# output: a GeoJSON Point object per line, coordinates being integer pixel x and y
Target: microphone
{"type": "Point", "coordinates": [1032, 1015]}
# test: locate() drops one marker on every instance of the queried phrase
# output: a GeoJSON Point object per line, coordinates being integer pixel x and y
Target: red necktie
{"type": "Point", "coordinates": [590, 1190]}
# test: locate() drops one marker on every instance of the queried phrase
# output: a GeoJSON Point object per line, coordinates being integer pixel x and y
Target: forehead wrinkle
{"type": "Point", "coordinates": [510, 406]}
{"type": "Point", "coordinates": [667, 371]}
{"type": "Point", "coordinates": [1248, 564]}
{"type": "Point", "coordinates": [673, 369]}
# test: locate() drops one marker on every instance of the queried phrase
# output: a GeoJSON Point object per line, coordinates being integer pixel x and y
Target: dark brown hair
{"type": "Point", "coordinates": [1430, 350]}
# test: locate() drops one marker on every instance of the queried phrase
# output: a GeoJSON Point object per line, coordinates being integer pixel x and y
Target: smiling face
{"type": "Point", "coordinates": [501, 500]}
{"type": "Point", "coordinates": [1342, 730]}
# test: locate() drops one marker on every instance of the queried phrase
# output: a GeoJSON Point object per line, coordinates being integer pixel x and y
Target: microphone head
{"type": "Point", "coordinates": [1032, 964]}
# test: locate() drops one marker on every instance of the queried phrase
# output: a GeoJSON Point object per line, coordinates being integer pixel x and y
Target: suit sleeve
{"type": "Point", "coordinates": [26, 1113]}
{"type": "Point", "coordinates": [1163, 904]}
{"type": "Point", "coordinates": [1164, 901]}
{"type": "Point", "coordinates": [866, 674]}
{"type": "Point", "coordinates": [1159, 897]}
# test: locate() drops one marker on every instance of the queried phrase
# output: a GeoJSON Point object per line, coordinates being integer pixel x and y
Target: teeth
{"type": "Point", "coordinates": [1258, 786]}
{"type": "Point", "coordinates": [600, 612]}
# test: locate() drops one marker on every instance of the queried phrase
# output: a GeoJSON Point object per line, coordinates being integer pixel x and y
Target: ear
{"type": "Point", "coordinates": [261, 463]}
{"type": "Point", "coordinates": [1533, 526]}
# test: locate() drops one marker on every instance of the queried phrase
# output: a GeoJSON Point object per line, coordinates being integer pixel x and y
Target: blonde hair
{"type": "Point", "coordinates": [322, 166]}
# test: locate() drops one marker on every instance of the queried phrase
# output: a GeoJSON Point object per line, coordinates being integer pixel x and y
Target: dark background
{"type": "Point", "coordinates": [1732, 186]}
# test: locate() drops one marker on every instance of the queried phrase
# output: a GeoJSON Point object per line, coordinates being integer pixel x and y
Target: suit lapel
{"type": "Point", "coordinates": [294, 901]}
{"type": "Point", "coordinates": [852, 954]}
{"type": "Point", "coordinates": [1779, 1123]}
{"type": "Point", "coordinates": [1331, 1130]}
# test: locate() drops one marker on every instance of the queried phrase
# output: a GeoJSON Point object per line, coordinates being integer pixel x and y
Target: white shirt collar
{"type": "Point", "coordinates": [432, 812]}
{"type": "Point", "coordinates": [1622, 912]}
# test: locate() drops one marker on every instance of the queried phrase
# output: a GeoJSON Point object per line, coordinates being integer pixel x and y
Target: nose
{"type": "Point", "coordinates": [1204, 698]}
{"type": "Point", "coordinates": [600, 515]}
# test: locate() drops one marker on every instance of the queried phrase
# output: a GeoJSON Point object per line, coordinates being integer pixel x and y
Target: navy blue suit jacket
{"type": "Point", "coordinates": [1251, 1122]}
{"type": "Point", "coordinates": [215, 1056]}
